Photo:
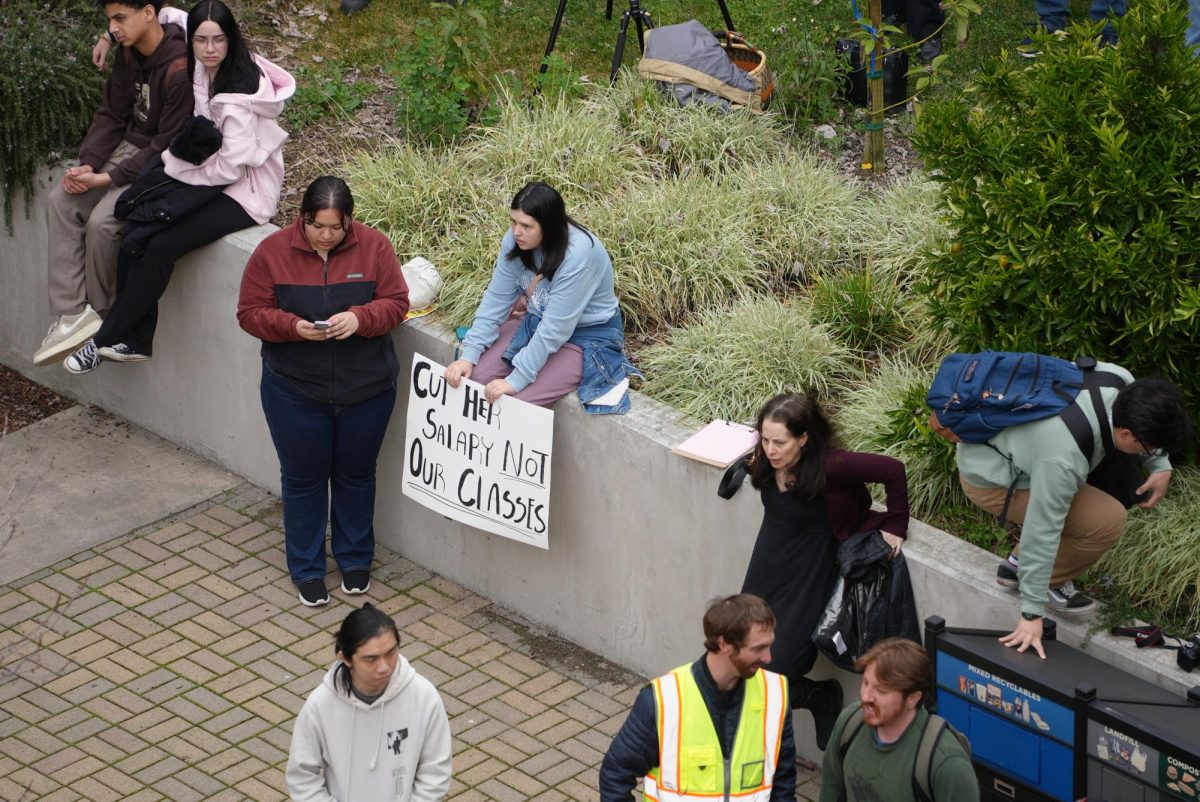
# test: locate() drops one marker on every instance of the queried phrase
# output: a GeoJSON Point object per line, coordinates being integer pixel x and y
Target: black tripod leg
{"type": "Point", "coordinates": [558, 18]}
{"type": "Point", "coordinates": [725, 14]}
{"type": "Point", "coordinates": [608, 10]}
{"type": "Point", "coordinates": [619, 53]}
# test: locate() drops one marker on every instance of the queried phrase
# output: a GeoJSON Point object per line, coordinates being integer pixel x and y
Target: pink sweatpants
{"type": "Point", "coordinates": [559, 376]}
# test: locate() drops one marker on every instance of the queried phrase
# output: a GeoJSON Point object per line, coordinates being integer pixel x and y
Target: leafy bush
{"type": "Point", "coordinates": [1157, 561]}
{"type": "Point", "coordinates": [887, 415]}
{"type": "Point", "coordinates": [806, 75]}
{"type": "Point", "coordinates": [48, 88]}
{"type": "Point", "coordinates": [316, 99]}
{"type": "Point", "coordinates": [437, 83]}
{"type": "Point", "coordinates": [1071, 187]}
{"type": "Point", "coordinates": [731, 361]}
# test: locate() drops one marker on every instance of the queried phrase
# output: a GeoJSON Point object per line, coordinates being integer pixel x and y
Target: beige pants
{"type": "Point", "coordinates": [1095, 521]}
{"type": "Point", "coordinates": [84, 237]}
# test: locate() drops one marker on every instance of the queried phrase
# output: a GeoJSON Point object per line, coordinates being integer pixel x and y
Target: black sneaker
{"type": "Point", "coordinates": [1006, 576]}
{"type": "Point", "coordinates": [1028, 49]}
{"type": "Point", "coordinates": [1066, 599]}
{"type": "Point", "coordinates": [930, 50]}
{"type": "Point", "coordinates": [356, 582]}
{"type": "Point", "coordinates": [121, 352]}
{"type": "Point", "coordinates": [85, 360]}
{"type": "Point", "coordinates": [1108, 39]}
{"type": "Point", "coordinates": [825, 702]}
{"type": "Point", "coordinates": [313, 593]}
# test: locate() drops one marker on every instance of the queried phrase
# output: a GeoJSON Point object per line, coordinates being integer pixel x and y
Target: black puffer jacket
{"type": "Point", "coordinates": [873, 600]}
{"type": "Point", "coordinates": [153, 202]}
{"type": "Point", "coordinates": [634, 751]}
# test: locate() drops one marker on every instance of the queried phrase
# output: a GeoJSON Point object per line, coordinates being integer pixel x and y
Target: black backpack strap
{"type": "Point", "coordinates": [735, 474]}
{"type": "Point", "coordinates": [1074, 417]}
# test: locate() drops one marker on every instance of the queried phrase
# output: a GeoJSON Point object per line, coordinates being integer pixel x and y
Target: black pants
{"type": "Point", "coordinates": [141, 281]}
{"type": "Point", "coordinates": [923, 16]}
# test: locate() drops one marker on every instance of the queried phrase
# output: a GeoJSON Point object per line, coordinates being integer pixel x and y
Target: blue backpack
{"type": "Point", "coordinates": [977, 396]}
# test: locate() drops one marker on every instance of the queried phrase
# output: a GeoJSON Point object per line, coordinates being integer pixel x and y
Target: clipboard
{"type": "Point", "coordinates": [719, 444]}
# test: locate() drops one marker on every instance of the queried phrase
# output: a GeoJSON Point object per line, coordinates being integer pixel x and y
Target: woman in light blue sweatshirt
{"type": "Point", "coordinates": [549, 322]}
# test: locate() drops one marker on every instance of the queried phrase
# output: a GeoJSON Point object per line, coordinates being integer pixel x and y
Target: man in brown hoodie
{"type": "Point", "coordinates": [146, 100]}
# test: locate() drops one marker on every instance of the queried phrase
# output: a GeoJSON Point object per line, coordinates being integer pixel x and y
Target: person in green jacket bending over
{"type": "Point", "coordinates": [1066, 523]}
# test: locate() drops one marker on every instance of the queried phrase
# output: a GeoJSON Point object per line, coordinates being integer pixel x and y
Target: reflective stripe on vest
{"type": "Point", "coordinates": [690, 764]}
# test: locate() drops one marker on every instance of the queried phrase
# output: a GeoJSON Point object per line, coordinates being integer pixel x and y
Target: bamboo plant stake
{"type": "Point", "coordinates": [873, 156]}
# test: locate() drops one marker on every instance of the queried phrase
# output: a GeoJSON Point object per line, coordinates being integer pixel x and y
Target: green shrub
{"type": "Point", "coordinates": [678, 247]}
{"type": "Point", "coordinates": [437, 84]}
{"type": "Point", "coordinates": [731, 361]}
{"type": "Point", "coordinates": [1157, 561]}
{"type": "Point", "coordinates": [1071, 187]}
{"type": "Point", "coordinates": [887, 415]}
{"type": "Point", "coordinates": [896, 228]}
{"type": "Point", "coordinates": [48, 88]}
{"type": "Point", "coordinates": [860, 307]}
{"type": "Point", "coordinates": [806, 75]}
{"type": "Point", "coordinates": [318, 98]}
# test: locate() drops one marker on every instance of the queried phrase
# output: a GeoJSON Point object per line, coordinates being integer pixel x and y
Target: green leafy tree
{"type": "Point", "coordinates": [1071, 185]}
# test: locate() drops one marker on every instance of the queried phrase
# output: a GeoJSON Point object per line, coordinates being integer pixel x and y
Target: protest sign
{"type": "Point", "coordinates": [486, 465]}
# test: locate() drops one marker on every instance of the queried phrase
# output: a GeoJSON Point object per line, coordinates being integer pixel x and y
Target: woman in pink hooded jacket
{"type": "Point", "coordinates": [243, 95]}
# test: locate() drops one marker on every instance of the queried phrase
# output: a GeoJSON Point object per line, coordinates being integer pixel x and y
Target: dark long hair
{"type": "Point", "coordinates": [359, 627]}
{"type": "Point", "coordinates": [800, 413]}
{"type": "Point", "coordinates": [238, 72]}
{"type": "Point", "coordinates": [327, 192]}
{"type": "Point", "coordinates": [543, 203]}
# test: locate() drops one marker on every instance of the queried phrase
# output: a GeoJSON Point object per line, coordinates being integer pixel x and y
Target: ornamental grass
{"type": "Point", "coordinates": [731, 361]}
{"type": "Point", "coordinates": [1156, 562]}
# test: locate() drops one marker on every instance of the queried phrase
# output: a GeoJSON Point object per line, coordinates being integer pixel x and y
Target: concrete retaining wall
{"type": "Point", "coordinates": [638, 538]}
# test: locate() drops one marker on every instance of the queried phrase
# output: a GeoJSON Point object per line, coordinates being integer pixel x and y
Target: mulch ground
{"type": "Point", "coordinates": [23, 402]}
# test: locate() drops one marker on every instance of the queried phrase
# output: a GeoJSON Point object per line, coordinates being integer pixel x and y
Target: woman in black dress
{"type": "Point", "coordinates": [814, 494]}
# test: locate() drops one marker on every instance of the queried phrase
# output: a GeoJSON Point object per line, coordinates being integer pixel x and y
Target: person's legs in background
{"type": "Point", "coordinates": [303, 431]}
{"type": "Point", "coordinates": [358, 435]}
{"type": "Point", "coordinates": [1193, 33]}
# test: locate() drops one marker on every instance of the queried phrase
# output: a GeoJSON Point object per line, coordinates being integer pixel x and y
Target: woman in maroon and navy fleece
{"type": "Point", "coordinates": [323, 295]}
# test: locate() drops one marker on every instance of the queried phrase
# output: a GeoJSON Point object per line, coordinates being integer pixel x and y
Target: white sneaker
{"type": "Point", "coordinates": [66, 334]}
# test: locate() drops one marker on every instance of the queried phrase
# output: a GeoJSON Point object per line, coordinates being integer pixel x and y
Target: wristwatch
{"type": "Point", "coordinates": [1031, 616]}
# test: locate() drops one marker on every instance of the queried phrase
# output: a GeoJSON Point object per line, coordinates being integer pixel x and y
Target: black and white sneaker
{"type": "Point", "coordinates": [84, 360]}
{"type": "Point", "coordinates": [121, 352]}
{"type": "Point", "coordinates": [355, 583]}
{"type": "Point", "coordinates": [1006, 575]}
{"type": "Point", "coordinates": [313, 593]}
{"type": "Point", "coordinates": [1066, 599]}
{"type": "Point", "coordinates": [1028, 48]}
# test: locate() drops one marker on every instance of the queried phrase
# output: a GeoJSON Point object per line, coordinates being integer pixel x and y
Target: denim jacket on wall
{"type": "Point", "coordinates": [604, 362]}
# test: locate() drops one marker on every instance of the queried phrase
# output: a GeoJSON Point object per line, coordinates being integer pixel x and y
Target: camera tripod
{"type": "Point", "coordinates": [635, 12]}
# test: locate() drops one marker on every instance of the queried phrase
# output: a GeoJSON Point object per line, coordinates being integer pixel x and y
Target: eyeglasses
{"type": "Point", "coordinates": [1151, 452]}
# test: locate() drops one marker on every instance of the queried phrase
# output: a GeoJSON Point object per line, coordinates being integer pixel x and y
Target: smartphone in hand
{"type": "Point", "coordinates": [321, 324]}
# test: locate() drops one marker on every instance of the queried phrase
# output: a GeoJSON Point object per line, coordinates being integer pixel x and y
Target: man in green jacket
{"type": "Point", "coordinates": [879, 761]}
{"type": "Point", "coordinates": [1067, 524]}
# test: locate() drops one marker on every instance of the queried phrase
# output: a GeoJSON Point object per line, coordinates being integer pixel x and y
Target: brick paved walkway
{"type": "Point", "coordinates": [170, 664]}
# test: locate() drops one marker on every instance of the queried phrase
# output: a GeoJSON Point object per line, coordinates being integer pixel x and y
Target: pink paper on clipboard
{"type": "Point", "coordinates": [719, 443]}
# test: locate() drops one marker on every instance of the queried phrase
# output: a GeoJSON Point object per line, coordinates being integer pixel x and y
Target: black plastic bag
{"type": "Point", "coordinates": [871, 600]}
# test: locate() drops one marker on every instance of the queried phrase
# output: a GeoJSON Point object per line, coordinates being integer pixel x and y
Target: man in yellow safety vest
{"type": "Point", "coordinates": [719, 728]}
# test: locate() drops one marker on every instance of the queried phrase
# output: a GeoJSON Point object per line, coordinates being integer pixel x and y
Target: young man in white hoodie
{"type": "Point", "coordinates": [374, 729]}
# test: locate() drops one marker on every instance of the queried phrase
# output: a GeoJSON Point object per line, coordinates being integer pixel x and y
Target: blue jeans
{"type": "Point", "coordinates": [1053, 13]}
{"type": "Point", "coordinates": [327, 456]}
{"type": "Point", "coordinates": [1193, 34]}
